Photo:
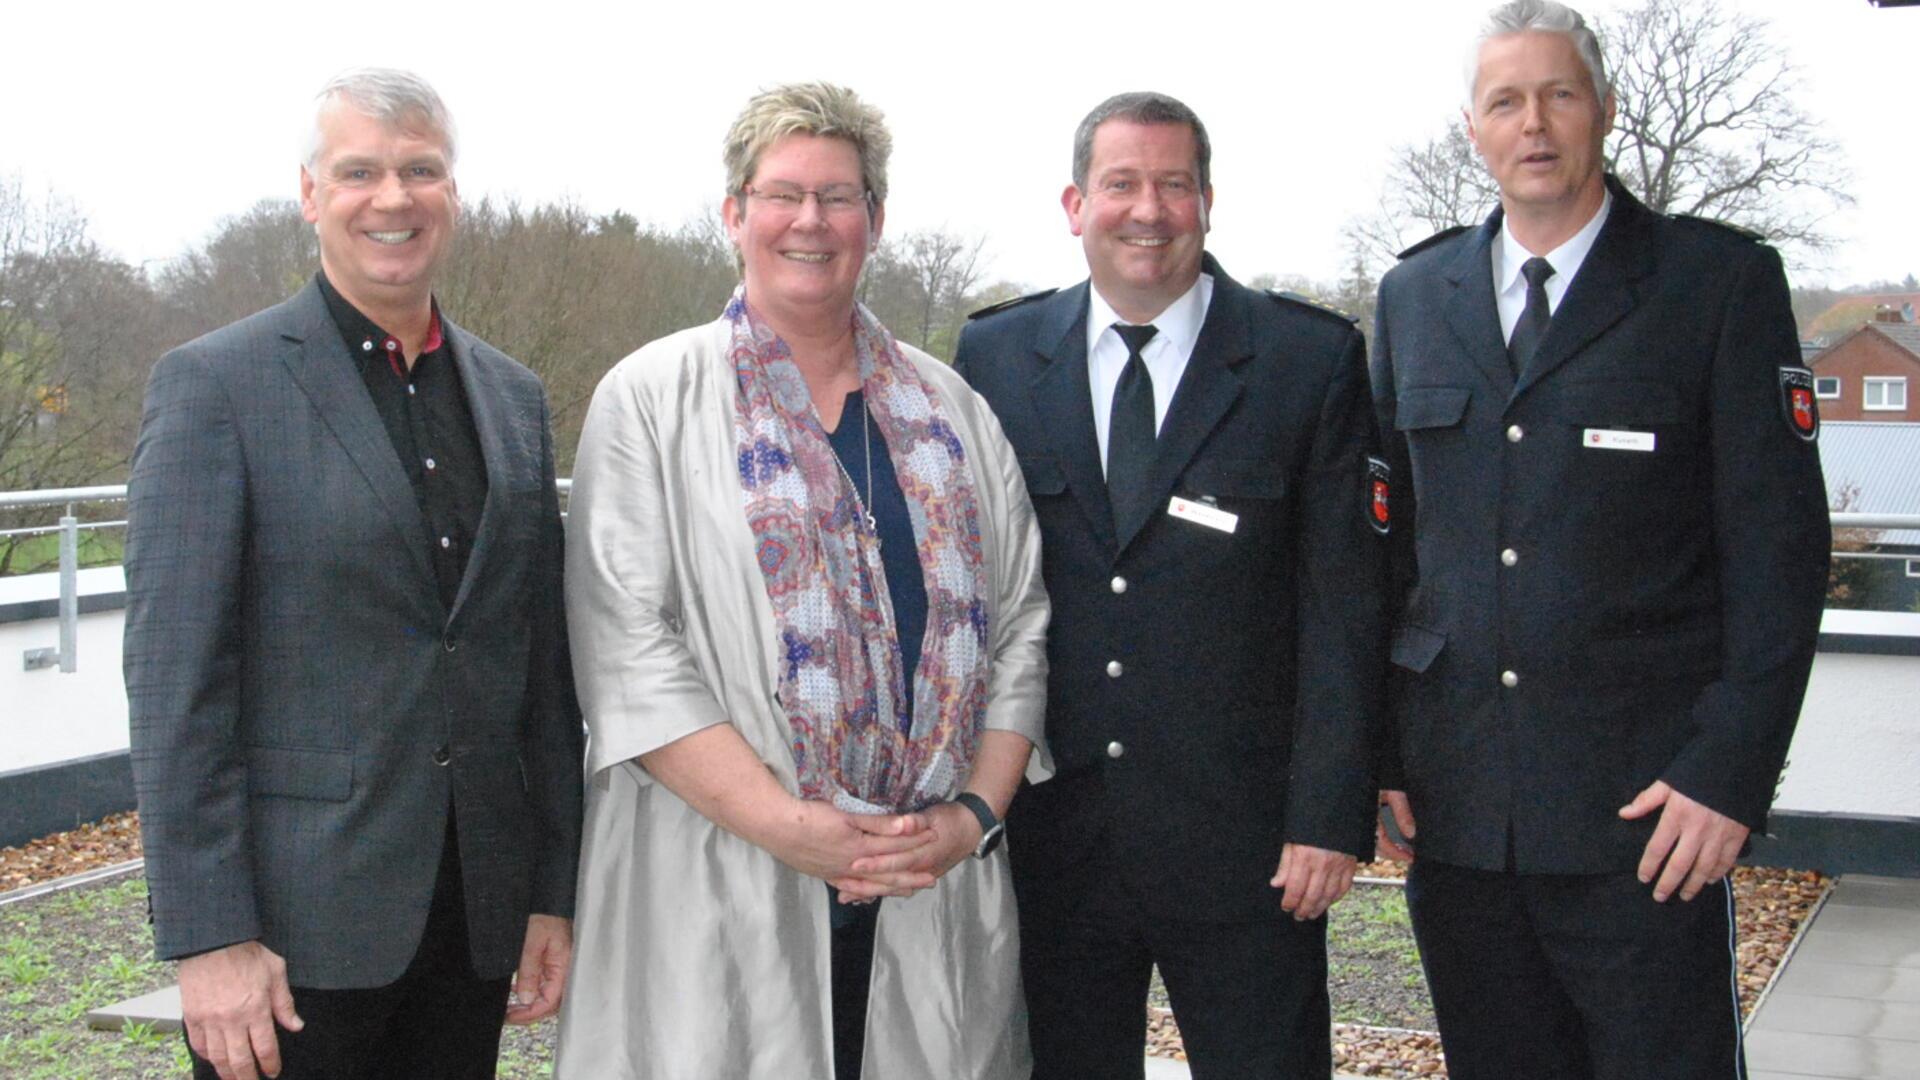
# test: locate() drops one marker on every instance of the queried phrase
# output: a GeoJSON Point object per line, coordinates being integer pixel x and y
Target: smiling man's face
{"type": "Point", "coordinates": [383, 203]}
{"type": "Point", "coordinates": [1143, 217]}
{"type": "Point", "coordinates": [1538, 124]}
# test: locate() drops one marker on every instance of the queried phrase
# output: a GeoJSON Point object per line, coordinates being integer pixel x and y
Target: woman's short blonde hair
{"type": "Point", "coordinates": [812, 108]}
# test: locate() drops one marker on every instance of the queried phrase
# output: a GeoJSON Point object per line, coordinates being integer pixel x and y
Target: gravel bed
{"type": "Point", "coordinates": [71, 951]}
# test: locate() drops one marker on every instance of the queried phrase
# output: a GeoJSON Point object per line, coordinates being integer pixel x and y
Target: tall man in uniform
{"type": "Point", "coordinates": [1198, 456]}
{"type": "Point", "coordinates": [1610, 593]}
{"type": "Point", "coordinates": [355, 744]}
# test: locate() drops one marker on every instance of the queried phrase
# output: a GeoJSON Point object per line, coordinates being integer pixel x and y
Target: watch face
{"type": "Point", "coordinates": [990, 841]}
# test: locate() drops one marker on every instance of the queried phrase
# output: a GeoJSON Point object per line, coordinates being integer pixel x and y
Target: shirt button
{"type": "Point", "coordinates": [430, 465]}
{"type": "Point", "coordinates": [1115, 669]}
{"type": "Point", "coordinates": [441, 755]}
{"type": "Point", "coordinates": [1115, 749]}
{"type": "Point", "coordinates": [1516, 433]}
{"type": "Point", "coordinates": [445, 542]}
{"type": "Point", "coordinates": [1509, 680]}
{"type": "Point", "coordinates": [1509, 557]}
{"type": "Point", "coordinates": [1118, 585]}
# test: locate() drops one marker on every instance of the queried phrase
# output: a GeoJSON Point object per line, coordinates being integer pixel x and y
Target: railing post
{"type": "Point", "coordinates": [69, 591]}
{"type": "Point", "coordinates": [67, 653]}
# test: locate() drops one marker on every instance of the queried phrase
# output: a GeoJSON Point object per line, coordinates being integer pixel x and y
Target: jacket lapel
{"type": "Point", "coordinates": [318, 362]}
{"type": "Point", "coordinates": [1207, 390]}
{"type": "Point", "coordinates": [1603, 289]}
{"type": "Point", "coordinates": [1063, 401]}
{"type": "Point", "coordinates": [489, 422]}
{"type": "Point", "coordinates": [1472, 315]}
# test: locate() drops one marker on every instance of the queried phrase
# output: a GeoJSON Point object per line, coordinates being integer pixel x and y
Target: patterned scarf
{"type": "Point", "coordinates": [840, 682]}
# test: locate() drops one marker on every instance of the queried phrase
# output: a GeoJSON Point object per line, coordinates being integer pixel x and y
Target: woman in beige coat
{"type": "Point", "coordinates": [803, 587]}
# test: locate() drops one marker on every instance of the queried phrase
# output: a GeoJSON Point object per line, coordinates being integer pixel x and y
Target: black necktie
{"type": "Point", "coordinates": [1532, 327]}
{"type": "Point", "coordinates": [1131, 432]}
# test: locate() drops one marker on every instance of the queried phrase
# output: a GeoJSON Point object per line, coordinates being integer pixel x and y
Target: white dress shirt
{"type": "Point", "coordinates": [1510, 286]}
{"type": "Point", "coordinates": [1166, 356]}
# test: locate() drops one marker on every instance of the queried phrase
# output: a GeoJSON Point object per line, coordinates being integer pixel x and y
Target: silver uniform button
{"type": "Point", "coordinates": [446, 542]}
{"type": "Point", "coordinates": [1115, 669]}
{"type": "Point", "coordinates": [1509, 557]}
{"type": "Point", "coordinates": [1118, 584]}
{"type": "Point", "coordinates": [430, 465]}
{"type": "Point", "coordinates": [1115, 749]}
{"type": "Point", "coordinates": [1516, 433]}
{"type": "Point", "coordinates": [1509, 679]}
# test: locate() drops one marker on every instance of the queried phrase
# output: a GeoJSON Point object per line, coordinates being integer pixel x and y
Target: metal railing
{"type": "Point", "coordinates": [65, 654]}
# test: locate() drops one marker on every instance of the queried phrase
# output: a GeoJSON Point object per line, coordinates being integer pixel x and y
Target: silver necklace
{"type": "Point", "coordinates": [866, 438]}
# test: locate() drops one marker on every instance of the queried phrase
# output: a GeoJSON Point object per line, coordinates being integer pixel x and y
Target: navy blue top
{"type": "Point", "coordinates": [899, 554]}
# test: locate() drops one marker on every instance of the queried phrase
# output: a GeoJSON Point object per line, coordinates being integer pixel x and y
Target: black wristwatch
{"type": "Point", "coordinates": [990, 827]}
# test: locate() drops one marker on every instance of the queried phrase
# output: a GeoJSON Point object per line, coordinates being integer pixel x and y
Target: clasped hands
{"type": "Point", "coordinates": [1692, 846]}
{"type": "Point", "coordinates": [868, 856]}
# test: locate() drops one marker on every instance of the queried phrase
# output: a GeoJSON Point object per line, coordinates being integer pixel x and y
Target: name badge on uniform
{"type": "Point", "coordinates": [1201, 514]}
{"type": "Point", "coordinates": [1602, 439]}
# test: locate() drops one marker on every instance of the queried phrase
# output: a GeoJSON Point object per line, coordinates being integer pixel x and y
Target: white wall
{"type": "Point", "coordinates": [1857, 750]}
{"type": "Point", "coordinates": [47, 715]}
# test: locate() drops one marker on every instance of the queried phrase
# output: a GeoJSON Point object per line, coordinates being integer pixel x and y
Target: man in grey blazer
{"type": "Point", "coordinates": [355, 743]}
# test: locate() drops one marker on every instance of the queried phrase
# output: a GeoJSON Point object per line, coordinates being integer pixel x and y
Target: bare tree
{"type": "Point", "coordinates": [77, 331]}
{"type": "Point", "coordinates": [1706, 125]}
{"type": "Point", "coordinates": [1430, 186]}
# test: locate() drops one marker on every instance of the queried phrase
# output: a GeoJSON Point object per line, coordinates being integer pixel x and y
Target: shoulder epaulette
{"type": "Point", "coordinates": [1728, 226]}
{"type": "Point", "coordinates": [1443, 234]}
{"type": "Point", "coordinates": [1008, 305]}
{"type": "Point", "coordinates": [1310, 303]}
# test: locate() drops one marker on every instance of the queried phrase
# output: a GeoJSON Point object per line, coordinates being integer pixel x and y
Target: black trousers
{"type": "Point", "coordinates": [1577, 976]}
{"type": "Point", "coordinates": [1250, 997]}
{"type": "Point", "coordinates": [438, 1021]}
{"type": "Point", "coordinates": [851, 962]}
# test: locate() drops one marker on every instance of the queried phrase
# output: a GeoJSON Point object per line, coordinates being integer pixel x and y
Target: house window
{"type": "Point", "coordinates": [1826, 387]}
{"type": "Point", "coordinates": [1913, 568]}
{"type": "Point", "coordinates": [1885, 394]}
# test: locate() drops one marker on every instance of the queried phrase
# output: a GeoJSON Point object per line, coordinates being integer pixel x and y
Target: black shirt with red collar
{"type": "Point", "coordinates": [425, 411]}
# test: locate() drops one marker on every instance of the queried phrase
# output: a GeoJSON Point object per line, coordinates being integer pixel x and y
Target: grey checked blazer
{"type": "Point", "coordinates": [305, 709]}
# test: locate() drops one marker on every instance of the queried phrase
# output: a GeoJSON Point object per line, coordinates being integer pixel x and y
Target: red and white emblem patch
{"type": "Point", "coordinates": [1797, 402]}
{"type": "Point", "coordinates": [1379, 493]}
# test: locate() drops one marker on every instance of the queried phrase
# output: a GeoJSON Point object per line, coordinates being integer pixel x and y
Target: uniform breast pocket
{"type": "Point", "coordinates": [1237, 497]}
{"type": "Point", "coordinates": [1631, 428]}
{"type": "Point", "coordinates": [1430, 409]}
{"type": "Point", "coordinates": [1043, 477]}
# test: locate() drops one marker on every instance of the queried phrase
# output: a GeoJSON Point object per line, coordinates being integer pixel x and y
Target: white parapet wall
{"type": "Point", "coordinates": [1857, 749]}
{"type": "Point", "coordinates": [49, 716]}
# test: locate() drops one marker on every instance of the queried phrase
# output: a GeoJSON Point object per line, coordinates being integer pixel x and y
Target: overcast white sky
{"type": "Point", "coordinates": [157, 120]}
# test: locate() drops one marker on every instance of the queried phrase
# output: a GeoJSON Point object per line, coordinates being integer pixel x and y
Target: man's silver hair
{"type": "Point", "coordinates": [397, 98]}
{"type": "Point", "coordinates": [1545, 16]}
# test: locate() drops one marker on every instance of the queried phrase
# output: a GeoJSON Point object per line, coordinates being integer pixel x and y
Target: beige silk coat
{"type": "Point", "coordinates": [697, 955]}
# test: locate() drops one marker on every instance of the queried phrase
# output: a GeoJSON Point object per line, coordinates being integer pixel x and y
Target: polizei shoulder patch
{"type": "Point", "coordinates": [1379, 495]}
{"type": "Point", "coordinates": [1798, 403]}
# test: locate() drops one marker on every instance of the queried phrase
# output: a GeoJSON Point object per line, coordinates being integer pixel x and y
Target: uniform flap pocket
{"type": "Point", "coordinates": [300, 772]}
{"type": "Point", "coordinates": [1245, 478]}
{"type": "Point", "coordinates": [1610, 404]}
{"type": "Point", "coordinates": [1415, 647]}
{"type": "Point", "coordinates": [1430, 407]}
{"type": "Point", "coordinates": [1043, 476]}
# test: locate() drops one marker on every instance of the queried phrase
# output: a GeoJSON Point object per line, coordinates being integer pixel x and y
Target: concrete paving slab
{"type": "Point", "coordinates": [1865, 950]}
{"type": "Point", "coordinates": [1762, 1074]}
{"type": "Point", "coordinates": [1820, 979]}
{"type": "Point", "coordinates": [161, 1009]}
{"type": "Point", "coordinates": [1796, 1053]}
{"type": "Point", "coordinates": [1842, 1016]}
{"type": "Point", "coordinates": [1875, 892]}
{"type": "Point", "coordinates": [1889, 923]}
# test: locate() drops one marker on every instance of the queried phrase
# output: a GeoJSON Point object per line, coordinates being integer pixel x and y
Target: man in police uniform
{"type": "Point", "coordinates": [1197, 454]}
{"type": "Point", "coordinates": [1610, 593]}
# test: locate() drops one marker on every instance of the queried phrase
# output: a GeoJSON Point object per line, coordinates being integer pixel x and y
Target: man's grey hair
{"type": "Point", "coordinates": [396, 98]}
{"type": "Point", "coordinates": [1140, 107]}
{"type": "Point", "coordinates": [1544, 16]}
